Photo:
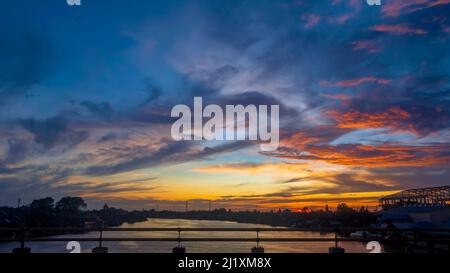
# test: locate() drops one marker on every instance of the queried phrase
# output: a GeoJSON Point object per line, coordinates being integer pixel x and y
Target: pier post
{"type": "Point", "coordinates": [25, 250]}
{"type": "Point", "coordinates": [100, 249]}
{"type": "Point", "coordinates": [257, 249]}
{"type": "Point", "coordinates": [179, 249]}
{"type": "Point", "coordinates": [22, 249]}
{"type": "Point", "coordinates": [336, 249]}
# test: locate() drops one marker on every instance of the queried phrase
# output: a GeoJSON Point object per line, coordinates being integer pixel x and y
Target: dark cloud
{"type": "Point", "coordinates": [414, 177]}
{"type": "Point", "coordinates": [104, 189]}
{"type": "Point", "coordinates": [72, 139]}
{"type": "Point", "coordinates": [152, 159]}
{"type": "Point", "coordinates": [170, 153]}
{"type": "Point", "coordinates": [54, 131]}
{"type": "Point", "coordinates": [108, 137]}
{"type": "Point", "coordinates": [153, 92]}
{"type": "Point", "coordinates": [102, 109]}
{"type": "Point", "coordinates": [47, 132]}
{"type": "Point", "coordinates": [348, 183]}
{"type": "Point", "coordinates": [156, 114]}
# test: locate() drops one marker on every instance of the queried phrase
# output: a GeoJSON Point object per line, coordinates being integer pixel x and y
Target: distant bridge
{"type": "Point", "coordinates": [423, 196]}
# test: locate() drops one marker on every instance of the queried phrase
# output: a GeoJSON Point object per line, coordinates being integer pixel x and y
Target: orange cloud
{"type": "Point", "coordinates": [438, 3]}
{"type": "Point", "coordinates": [369, 46]}
{"type": "Point", "coordinates": [311, 20]}
{"type": "Point", "coordinates": [358, 82]}
{"type": "Point", "coordinates": [402, 29]}
{"type": "Point", "coordinates": [336, 97]}
{"type": "Point", "coordinates": [344, 98]}
{"type": "Point", "coordinates": [392, 118]}
{"type": "Point", "coordinates": [400, 7]}
{"type": "Point", "coordinates": [373, 156]}
{"type": "Point", "coordinates": [299, 140]}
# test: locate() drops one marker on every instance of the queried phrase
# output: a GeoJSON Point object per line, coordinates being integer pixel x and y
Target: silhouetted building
{"type": "Point", "coordinates": [417, 208]}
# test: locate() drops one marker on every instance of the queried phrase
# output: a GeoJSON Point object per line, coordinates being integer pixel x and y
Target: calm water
{"type": "Point", "coordinates": [195, 247]}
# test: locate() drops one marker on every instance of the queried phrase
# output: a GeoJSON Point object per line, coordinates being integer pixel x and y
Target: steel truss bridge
{"type": "Point", "coordinates": [424, 196]}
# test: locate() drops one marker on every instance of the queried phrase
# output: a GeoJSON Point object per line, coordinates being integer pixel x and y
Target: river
{"type": "Point", "coordinates": [194, 247]}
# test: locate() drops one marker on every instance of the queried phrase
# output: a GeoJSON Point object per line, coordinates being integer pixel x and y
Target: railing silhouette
{"type": "Point", "coordinates": [409, 235]}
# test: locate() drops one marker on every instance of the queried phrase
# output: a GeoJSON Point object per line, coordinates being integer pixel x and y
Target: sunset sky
{"type": "Point", "coordinates": [86, 94]}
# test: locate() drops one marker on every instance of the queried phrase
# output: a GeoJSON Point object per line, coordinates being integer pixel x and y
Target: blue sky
{"type": "Point", "coordinates": [86, 94]}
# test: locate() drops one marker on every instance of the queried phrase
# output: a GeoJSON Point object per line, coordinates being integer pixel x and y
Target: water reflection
{"type": "Point", "coordinates": [195, 247]}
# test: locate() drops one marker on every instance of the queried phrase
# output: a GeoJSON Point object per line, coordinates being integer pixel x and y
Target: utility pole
{"type": "Point", "coordinates": [18, 202]}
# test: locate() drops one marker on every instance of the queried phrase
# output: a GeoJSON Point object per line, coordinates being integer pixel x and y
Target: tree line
{"type": "Point", "coordinates": [71, 212]}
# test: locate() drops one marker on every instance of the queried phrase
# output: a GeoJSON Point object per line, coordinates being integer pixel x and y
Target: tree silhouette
{"type": "Point", "coordinates": [344, 209]}
{"type": "Point", "coordinates": [45, 204]}
{"type": "Point", "coordinates": [73, 204]}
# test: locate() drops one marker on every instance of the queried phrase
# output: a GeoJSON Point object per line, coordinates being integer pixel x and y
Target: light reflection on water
{"type": "Point", "coordinates": [195, 247]}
